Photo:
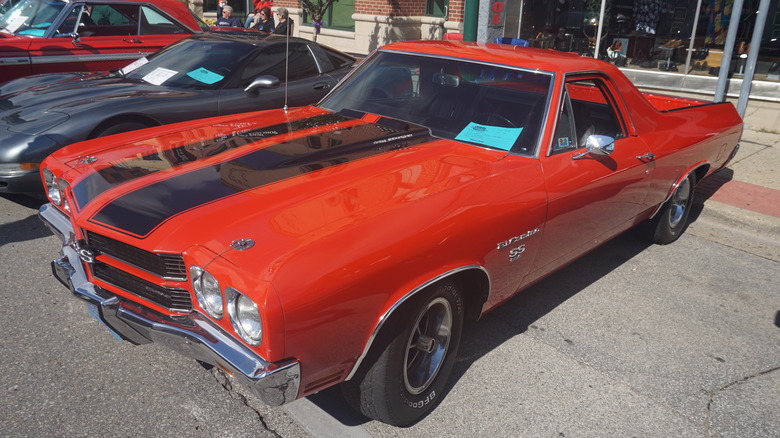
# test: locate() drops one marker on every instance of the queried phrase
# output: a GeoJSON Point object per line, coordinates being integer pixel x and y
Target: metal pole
{"type": "Point", "coordinates": [598, 31]}
{"type": "Point", "coordinates": [520, 19]}
{"type": "Point", "coordinates": [471, 20]}
{"type": "Point", "coordinates": [693, 38]}
{"type": "Point", "coordinates": [750, 67]}
{"type": "Point", "coordinates": [728, 49]}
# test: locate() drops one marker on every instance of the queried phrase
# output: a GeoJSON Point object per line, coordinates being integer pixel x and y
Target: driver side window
{"type": "Point", "coordinates": [592, 110]}
{"type": "Point", "coordinates": [77, 16]}
{"type": "Point", "coordinates": [565, 139]}
{"type": "Point", "coordinates": [271, 61]}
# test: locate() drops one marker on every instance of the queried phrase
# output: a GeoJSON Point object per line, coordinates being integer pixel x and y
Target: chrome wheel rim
{"type": "Point", "coordinates": [427, 345]}
{"type": "Point", "coordinates": [679, 203]}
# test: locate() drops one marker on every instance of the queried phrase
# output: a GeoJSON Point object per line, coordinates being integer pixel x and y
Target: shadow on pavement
{"type": "Point", "coordinates": [707, 187]}
{"type": "Point", "coordinates": [29, 228]}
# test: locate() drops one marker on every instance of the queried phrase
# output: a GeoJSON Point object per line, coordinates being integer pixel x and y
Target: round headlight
{"type": "Point", "coordinates": [245, 317]}
{"type": "Point", "coordinates": [52, 187]}
{"type": "Point", "coordinates": [207, 292]}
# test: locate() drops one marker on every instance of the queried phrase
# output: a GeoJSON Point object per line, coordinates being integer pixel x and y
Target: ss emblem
{"type": "Point", "coordinates": [516, 253]}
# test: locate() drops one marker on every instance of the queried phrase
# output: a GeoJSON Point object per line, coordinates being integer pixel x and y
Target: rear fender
{"type": "Point", "coordinates": [699, 171]}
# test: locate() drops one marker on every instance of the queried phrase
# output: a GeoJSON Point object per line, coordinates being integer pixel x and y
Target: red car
{"type": "Point", "coordinates": [347, 242]}
{"type": "Point", "coordinates": [44, 36]}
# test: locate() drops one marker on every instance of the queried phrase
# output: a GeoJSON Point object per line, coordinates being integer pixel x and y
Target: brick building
{"type": "Point", "coordinates": [360, 26]}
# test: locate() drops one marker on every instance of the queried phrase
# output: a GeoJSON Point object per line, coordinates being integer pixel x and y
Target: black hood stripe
{"type": "Point", "coordinates": [136, 167]}
{"type": "Point", "coordinates": [140, 212]}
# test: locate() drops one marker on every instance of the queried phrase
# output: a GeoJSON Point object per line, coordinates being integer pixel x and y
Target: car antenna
{"type": "Point", "coordinates": [286, 64]}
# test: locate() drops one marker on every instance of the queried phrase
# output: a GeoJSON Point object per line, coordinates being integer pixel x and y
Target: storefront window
{"type": "Point", "coordinates": [436, 8]}
{"type": "Point", "coordinates": [660, 35]}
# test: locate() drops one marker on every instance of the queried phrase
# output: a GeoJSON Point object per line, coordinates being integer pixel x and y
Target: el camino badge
{"type": "Point", "coordinates": [516, 253]}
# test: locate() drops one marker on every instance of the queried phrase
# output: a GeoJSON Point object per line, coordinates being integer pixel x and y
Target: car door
{"type": "Point", "coordinates": [305, 83]}
{"type": "Point", "coordinates": [103, 36]}
{"type": "Point", "coordinates": [591, 197]}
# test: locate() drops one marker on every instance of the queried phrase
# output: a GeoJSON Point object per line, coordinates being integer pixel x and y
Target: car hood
{"type": "Point", "coordinates": [270, 176]}
{"type": "Point", "coordinates": [27, 100]}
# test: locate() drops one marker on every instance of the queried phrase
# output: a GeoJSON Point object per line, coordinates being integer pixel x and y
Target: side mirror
{"type": "Point", "coordinates": [597, 145]}
{"type": "Point", "coordinates": [264, 81]}
{"type": "Point", "coordinates": [73, 35]}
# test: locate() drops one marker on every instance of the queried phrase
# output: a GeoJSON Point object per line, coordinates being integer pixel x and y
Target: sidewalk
{"type": "Point", "coordinates": [740, 204]}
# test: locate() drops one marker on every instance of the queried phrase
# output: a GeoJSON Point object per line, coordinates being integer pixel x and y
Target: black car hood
{"type": "Point", "coordinates": [24, 100]}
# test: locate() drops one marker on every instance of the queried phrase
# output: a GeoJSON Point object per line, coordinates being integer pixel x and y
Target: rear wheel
{"type": "Point", "coordinates": [412, 358]}
{"type": "Point", "coordinates": [670, 222]}
{"type": "Point", "coordinates": [118, 128]}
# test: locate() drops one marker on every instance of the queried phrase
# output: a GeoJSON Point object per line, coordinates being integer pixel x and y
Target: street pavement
{"type": "Point", "coordinates": [738, 207]}
{"type": "Point", "coordinates": [740, 204]}
{"type": "Point", "coordinates": [610, 387]}
{"type": "Point", "coordinates": [680, 340]}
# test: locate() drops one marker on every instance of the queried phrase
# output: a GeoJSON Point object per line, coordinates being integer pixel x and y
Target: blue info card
{"type": "Point", "coordinates": [493, 136]}
{"type": "Point", "coordinates": [206, 76]}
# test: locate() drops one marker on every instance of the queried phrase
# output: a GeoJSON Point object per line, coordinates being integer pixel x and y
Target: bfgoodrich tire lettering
{"type": "Point", "coordinates": [404, 374]}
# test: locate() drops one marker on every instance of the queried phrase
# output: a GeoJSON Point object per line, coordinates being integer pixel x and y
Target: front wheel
{"type": "Point", "coordinates": [670, 222]}
{"type": "Point", "coordinates": [412, 358]}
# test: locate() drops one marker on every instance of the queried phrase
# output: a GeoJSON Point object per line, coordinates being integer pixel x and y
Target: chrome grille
{"type": "Point", "coordinates": [168, 266]}
{"type": "Point", "coordinates": [171, 298]}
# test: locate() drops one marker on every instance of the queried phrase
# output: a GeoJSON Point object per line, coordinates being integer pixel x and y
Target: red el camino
{"type": "Point", "coordinates": [347, 242]}
{"type": "Point", "coordinates": [45, 36]}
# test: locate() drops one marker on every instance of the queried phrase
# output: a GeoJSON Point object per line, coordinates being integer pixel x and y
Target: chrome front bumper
{"type": "Point", "coordinates": [191, 335]}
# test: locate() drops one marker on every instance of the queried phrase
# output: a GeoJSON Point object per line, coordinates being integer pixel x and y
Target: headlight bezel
{"type": "Point", "coordinates": [63, 185]}
{"type": "Point", "coordinates": [52, 186]}
{"type": "Point", "coordinates": [208, 292]}
{"type": "Point", "coordinates": [245, 317]}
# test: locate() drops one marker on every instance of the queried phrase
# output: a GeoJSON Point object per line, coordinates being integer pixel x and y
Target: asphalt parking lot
{"type": "Point", "coordinates": [632, 340]}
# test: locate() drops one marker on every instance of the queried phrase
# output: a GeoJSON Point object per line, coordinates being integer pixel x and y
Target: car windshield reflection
{"type": "Point", "coordinates": [190, 64]}
{"type": "Point", "coordinates": [483, 104]}
{"type": "Point", "coordinates": [31, 17]}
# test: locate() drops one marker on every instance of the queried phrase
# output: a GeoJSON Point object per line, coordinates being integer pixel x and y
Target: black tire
{"type": "Point", "coordinates": [671, 221]}
{"type": "Point", "coordinates": [412, 359]}
{"type": "Point", "coordinates": [118, 128]}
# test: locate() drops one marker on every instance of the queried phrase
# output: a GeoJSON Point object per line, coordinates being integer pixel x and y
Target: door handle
{"type": "Point", "coordinates": [648, 156]}
{"type": "Point", "coordinates": [321, 86]}
{"type": "Point", "coordinates": [132, 40]}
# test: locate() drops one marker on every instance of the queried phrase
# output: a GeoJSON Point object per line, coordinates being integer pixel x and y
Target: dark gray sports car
{"type": "Point", "coordinates": [202, 76]}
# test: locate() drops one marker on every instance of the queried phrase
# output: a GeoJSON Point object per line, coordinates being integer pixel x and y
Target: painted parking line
{"type": "Point", "coordinates": [321, 424]}
{"type": "Point", "coordinates": [741, 195]}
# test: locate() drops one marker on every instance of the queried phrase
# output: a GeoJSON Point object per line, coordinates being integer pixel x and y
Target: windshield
{"type": "Point", "coordinates": [488, 105]}
{"type": "Point", "coordinates": [31, 17]}
{"type": "Point", "coordinates": [202, 24]}
{"type": "Point", "coordinates": [5, 6]}
{"type": "Point", "coordinates": [190, 64]}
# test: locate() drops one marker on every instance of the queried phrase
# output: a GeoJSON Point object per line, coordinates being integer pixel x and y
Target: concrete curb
{"type": "Point", "coordinates": [739, 206]}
